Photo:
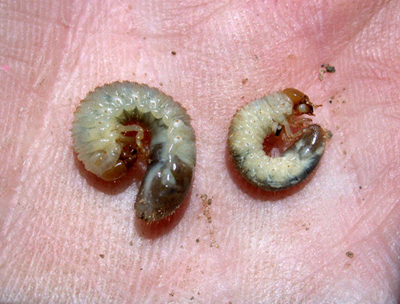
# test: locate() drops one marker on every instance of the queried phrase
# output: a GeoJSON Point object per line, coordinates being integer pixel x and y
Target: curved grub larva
{"type": "Point", "coordinates": [108, 133]}
{"type": "Point", "coordinates": [263, 117]}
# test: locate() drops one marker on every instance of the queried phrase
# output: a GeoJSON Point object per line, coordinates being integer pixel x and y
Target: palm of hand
{"type": "Point", "coordinates": [68, 237]}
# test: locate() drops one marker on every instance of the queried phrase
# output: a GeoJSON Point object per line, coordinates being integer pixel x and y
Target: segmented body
{"type": "Point", "coordinates": [268, 115]}
{"type": "Point", "coordinates": [100, 131]}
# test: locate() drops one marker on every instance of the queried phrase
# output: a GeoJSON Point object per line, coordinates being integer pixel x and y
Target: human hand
{"type": "Point", "coordinates": [66, 236]}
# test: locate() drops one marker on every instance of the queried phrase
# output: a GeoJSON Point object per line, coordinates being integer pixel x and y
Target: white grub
{"type": "Point", "coordinates": [101, 141]}
{"type": "Point", "coordinates": [263, 117]}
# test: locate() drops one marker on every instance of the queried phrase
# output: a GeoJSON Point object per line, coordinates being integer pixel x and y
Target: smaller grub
{"type": "Point", "coordinates": [173, 53]}
{"type": "Point", "coordinates": [254, 125]}
{"type": "Point", "coordinates": [197, 240]}
{"type": "Point", "coordinates": [102, 255]}
{"type": "Point", "coordinates": [350, 254]}
{"type": "Point", "coordinates": [329, 134]}
{"type": "Point", "coordinates": [330, 101]}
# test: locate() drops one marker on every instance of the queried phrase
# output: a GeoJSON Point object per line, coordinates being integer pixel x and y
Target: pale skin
{"type": "Point", "coordinates": [66, 236]}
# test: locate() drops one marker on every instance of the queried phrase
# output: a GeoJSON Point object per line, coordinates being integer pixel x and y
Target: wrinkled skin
{"type": "Point", "coordinates": [66, 236]}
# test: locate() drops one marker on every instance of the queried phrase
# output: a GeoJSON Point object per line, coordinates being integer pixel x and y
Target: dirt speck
{"type": "Point", "coordinates": [207, 202]}
{"type": "Point", "coordinates": [321, 74]}
{"type": "Point", "coordinates": [244, 81]}
{"type": "Point", "coordinates": [330, 69]}
{"type": "Point", "coordinates": [350, 254]}
{"type": "Point", "coordinates": [173, 53]}
{"type": "Point", "coordinates": [329, 134]}
{"type": "Point", "coordinates": [325, 68]}
{"type": "Point", "coordinates": [102, 255]}
{"type": "Point", "coordinates": [206, 207]}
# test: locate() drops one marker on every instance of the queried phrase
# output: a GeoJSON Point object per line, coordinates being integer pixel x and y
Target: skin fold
{"type": "Point", "coordinates": [66, 236]}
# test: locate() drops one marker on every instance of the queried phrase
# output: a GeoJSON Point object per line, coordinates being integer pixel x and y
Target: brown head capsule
{"type": "Point", "coordinates": [301, 102]}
